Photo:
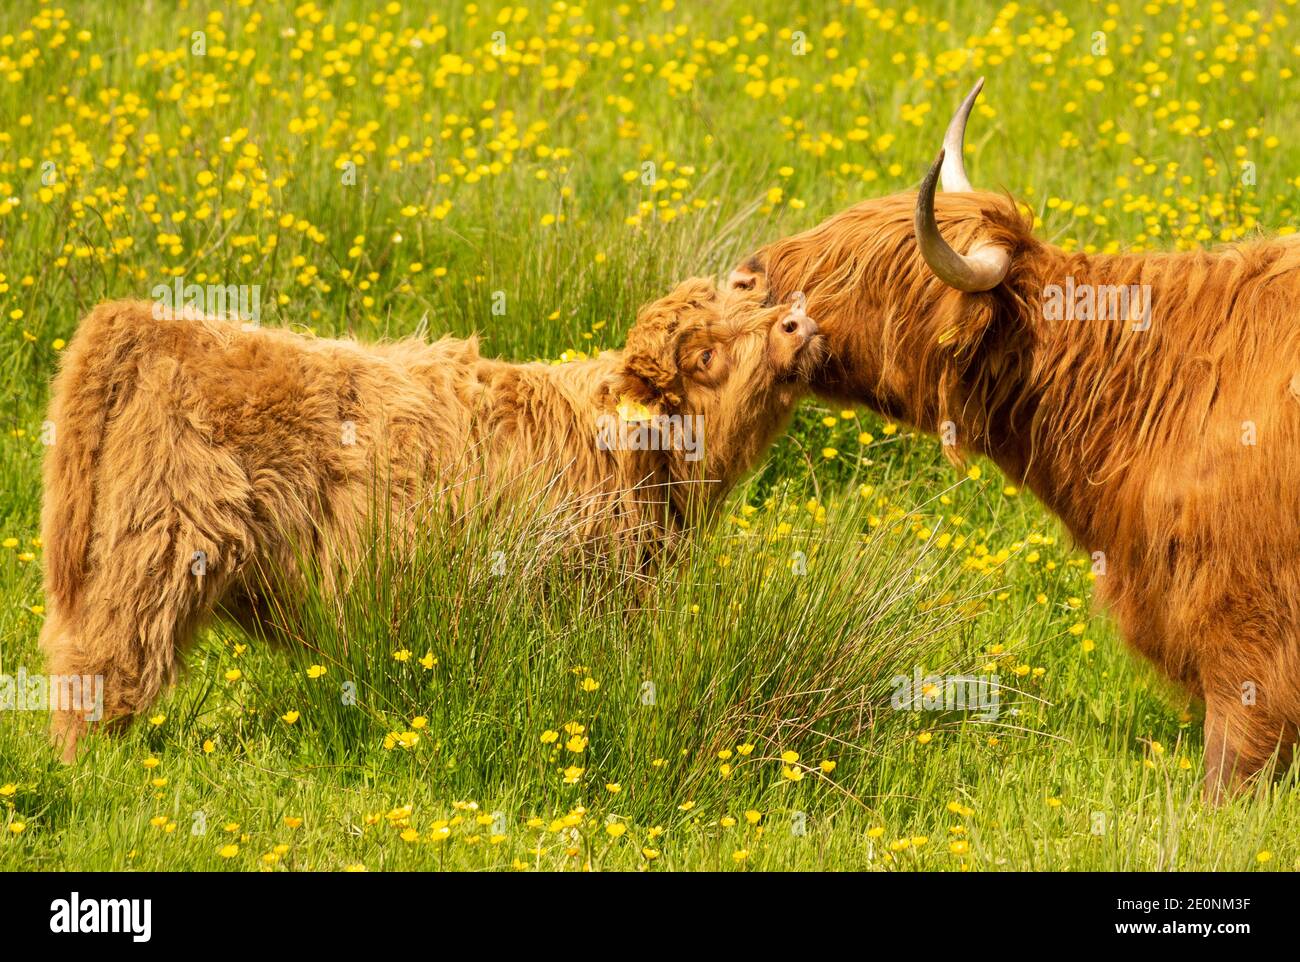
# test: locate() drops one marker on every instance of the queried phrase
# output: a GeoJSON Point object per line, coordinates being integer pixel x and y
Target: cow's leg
{"type": "Point", "coordinates": [1249, 717]}
{"type": "Point", "coordinates": [1223, 764]}
{"type": "Point", "coordinates": [137, 612]}
{"type": "Point", "coordinates": [67, 720]}
{"type": "Point", "coordinates": [172, 526]}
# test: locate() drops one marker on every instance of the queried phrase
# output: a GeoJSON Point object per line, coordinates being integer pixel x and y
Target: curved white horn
{"type": "Point", "coordinates": [980, 270]}
{"type": "Point", "coordinates": [954, 168]}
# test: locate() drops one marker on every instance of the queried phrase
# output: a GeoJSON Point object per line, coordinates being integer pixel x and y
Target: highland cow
{"type": "Point", "coordinates": [1164, 433]}
{"type": "Point", "coordinates": [194, 460]}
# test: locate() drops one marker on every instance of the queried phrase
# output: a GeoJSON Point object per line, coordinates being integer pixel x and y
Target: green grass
{"type": "Point", "coordinates": [1091, 763]}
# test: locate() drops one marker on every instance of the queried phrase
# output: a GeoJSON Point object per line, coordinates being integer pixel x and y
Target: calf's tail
{"type": "Point", "coordinates": [95, 377]}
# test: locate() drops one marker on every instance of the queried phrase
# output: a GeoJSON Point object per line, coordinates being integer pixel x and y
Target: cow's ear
{"type": "Point", "coordinates": [974, 368]}
{"type": "Point", "coordinates": [749, 276]}
{"type": "Point", "coordinates": [647, 380]}
{"type": "Point", "coordinates": [742, 280]}
{"type": "Point", "coordinates": [649, 368]}
{"type": "Point", "coordinates": [961, 327]}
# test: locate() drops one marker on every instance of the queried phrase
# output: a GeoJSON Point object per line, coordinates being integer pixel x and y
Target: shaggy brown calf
{"type": "Point", "coordinates": [1152, 401]}
{"type": "Point", "coordinates": [194, 460]}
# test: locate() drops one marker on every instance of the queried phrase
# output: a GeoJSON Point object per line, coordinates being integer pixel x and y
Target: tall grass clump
{"type": "Point", "coordinates": [490, 654]}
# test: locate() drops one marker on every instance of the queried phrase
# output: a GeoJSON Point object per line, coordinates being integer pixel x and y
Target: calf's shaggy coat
{"type": "Point", "coordinates": [194, 460]}
{"type": "Point", "coordinates": [1169, 445]}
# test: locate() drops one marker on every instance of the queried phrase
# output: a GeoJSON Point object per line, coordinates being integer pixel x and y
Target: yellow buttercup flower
{"type": "Point", "coordinates": [630, 409]}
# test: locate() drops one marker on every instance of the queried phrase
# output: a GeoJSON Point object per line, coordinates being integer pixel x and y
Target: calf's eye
{"type": "Point", "coordinates": [705, 358]}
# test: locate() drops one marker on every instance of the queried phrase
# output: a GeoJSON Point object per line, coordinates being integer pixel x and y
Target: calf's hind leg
{"type": "Point", "coordinates": [137, 611]}
{"type": "Point", "coordinates": [170, 530]}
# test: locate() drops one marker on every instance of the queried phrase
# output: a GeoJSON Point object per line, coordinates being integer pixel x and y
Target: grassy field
{"type": "Point", "coordinates": [372, 165]}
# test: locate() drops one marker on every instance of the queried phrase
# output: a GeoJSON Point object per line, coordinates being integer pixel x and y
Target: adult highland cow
{"type": "Point", "coordinates": [1152, 401]}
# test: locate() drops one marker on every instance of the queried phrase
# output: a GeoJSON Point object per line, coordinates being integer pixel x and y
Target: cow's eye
{"type": "Point", "coordinates": [705, 358]}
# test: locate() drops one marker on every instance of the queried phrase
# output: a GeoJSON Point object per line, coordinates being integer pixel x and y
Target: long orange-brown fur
{"type": "Point", "coordinates": [194, 460]}
{"type": "Point", "coordinates": [1171, 454]}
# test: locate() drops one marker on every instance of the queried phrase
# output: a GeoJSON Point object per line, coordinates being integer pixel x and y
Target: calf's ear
{"type": "Point", "coordinates": [742, 280]}
{"type": "Point", "coordinates": [748, 276]}
{"type": "Point", "coordinates": [649, 369]}
{"type": "Point", "coordinates": [648, 380]}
